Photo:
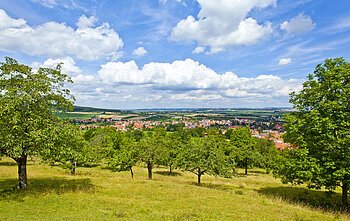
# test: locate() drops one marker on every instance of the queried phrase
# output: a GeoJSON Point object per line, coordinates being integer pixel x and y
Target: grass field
{"type": "Point", "coordinates": [99, 194]}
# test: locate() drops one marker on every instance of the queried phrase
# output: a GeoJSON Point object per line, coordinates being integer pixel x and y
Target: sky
{"type": "Point", "coordinates": [131, 54]}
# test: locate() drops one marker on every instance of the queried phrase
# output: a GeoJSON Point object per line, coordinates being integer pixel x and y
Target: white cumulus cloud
{"type": "Point", "coordinates": [69, 66]}
{"type": "Point", "coordinates": [140, 51]}
{"type": "Point", "coordinates": [285, 61]}
{"type": "Point", "coordinates": [198, 50]}
{"type": "Point", "coordinates": [223, 23]}
{"type": "Point", "coordinates": [58, 39]}
{"type": "Point", "coordinates": [189, 83]}
{"type": "Point", "coordinates": [298, 25]}
{"type": "Point", "coordinates": [85, 22]}
{"type": "Point", "coordinates": [189, 75]}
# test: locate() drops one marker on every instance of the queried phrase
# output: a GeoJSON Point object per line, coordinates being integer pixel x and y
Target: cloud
{"type": "Point", "coordinates": [285, 61]}
{"type": "Point", "coordinates": [298, 25]}
{"type": "Point", "coordinates": [85, 22]}
{"type": "Point", "coordinates": [223, 23]}
{"type": "Point", "coordinates": [189, 76]}
{"type": "Point", "coordinates": [186, 96]}
{"type": "Point", "coordinates": [68, 65]}
{"type": "Point", "coordinates": [7, 22]}
{"type": "Point", "coordinates": [198, 50]}
{"type": "Point", "coordinates": [58, 39]}
{"type": "Point", "coordinates": [189, 83]}
{"type": "Point", "coordinates": [140, 51]}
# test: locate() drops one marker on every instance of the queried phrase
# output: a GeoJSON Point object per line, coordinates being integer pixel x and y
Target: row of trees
{"type": "Point", "coordinates": [201, 151]}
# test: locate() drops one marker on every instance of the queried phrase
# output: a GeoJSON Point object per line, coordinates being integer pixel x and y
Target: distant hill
{"type": "Point", "coordinates": [93, 109]}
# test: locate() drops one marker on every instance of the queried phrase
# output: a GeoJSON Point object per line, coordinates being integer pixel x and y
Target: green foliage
{"type": "Point", "coordinates": [321, 129]}
{"type": "Point", "coordinates": [246, 153]}
{"type": "Point", "coordinates": [125, 157]}
{"type": "Point", "coordinates": [173, 143]}
{"type": "Point", "coordinates": [104, 142]}
{"type": "Point", "coordinates": [152, 146]}
{"type": "Point", "coordinates": [268, 154]}
{"type": "Point", "coordinates": [204, 155]}
{"type": "Point", "coordinates": [69, 148]}
{"type": "Point", "coordinates": [28, 101]}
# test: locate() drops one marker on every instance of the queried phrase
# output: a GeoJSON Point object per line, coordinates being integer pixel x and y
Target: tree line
{"type": "Point", "coordinates": [200, 151]}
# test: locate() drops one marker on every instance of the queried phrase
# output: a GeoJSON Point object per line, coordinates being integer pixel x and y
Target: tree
{"type": "Point", "coordinates": [267, 154]}
{"type": "Point", "coordinates": [247, 153]}
{"type": "Point", "coordinates": [68, 148]}
{"type": "Point", "coordinates": [204, 155]}
{"type": "Point", "coordinates": [104, 142]}
{"type": "Point", "coordinates": [151, 149]}
{"type": "Point", "coordinates": [125, 157]}
{"type": "Point", "coordinates": [172, 146]}
{"type": "Point", "coordinates": [28, 102]}
{"type": "Point", "coordinates": [321, 129]}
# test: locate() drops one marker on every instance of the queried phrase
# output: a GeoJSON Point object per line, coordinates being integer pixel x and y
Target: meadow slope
{"type": "Point", "coordinates": [99, 194]}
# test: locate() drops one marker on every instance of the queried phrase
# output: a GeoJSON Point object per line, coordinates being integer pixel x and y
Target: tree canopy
{"type": "Point", "coordinates": [321, 129]}
{"type": "Point", "coordinates": [28, 102]}
{"type": "Point", "coordinates": [204, 155]}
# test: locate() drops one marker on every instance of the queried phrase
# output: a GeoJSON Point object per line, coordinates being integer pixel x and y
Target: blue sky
{"type": "Point", "coordinates": [177, 53]}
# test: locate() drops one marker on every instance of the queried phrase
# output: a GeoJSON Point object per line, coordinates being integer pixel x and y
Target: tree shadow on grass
{"type": "Point", "coordinates": [257, 172]}
{"type": "Point", "coordinates": [215, 186]}
{"type": "Point", "coordinates": [166, 173]}
{"type": "Point", "coordinates": [5, 163]}
{"type": "Point", "coordinates": [43, 186]}
{"type": "Point", "coordinates": [325, 200]}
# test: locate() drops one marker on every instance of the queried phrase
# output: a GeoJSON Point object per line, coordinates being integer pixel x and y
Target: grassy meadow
{"type": "Point", "coordinates": [99, 194]}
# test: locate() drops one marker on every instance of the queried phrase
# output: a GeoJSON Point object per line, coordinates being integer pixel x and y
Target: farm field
{"type": "Point", "coordinates": [99, 194]}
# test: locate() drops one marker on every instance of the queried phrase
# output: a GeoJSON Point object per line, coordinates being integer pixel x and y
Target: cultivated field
{"type": "Point", "coordinates": [99, 194]}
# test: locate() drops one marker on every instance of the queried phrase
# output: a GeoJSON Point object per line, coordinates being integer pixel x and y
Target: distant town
{"type": "Point", "coordinates": [263, 123]}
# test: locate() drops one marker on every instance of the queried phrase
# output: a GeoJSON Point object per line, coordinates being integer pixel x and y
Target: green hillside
{"type": "Point", "coordinates": [99, 194]}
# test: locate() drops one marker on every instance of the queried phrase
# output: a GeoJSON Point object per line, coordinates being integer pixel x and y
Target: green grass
{"type": "Point", "coordinates": [99, 194]}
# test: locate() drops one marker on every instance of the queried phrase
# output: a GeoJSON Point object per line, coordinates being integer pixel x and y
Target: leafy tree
{"type": "Point", "coordinates": [151, 149]}
{"type": "Point", "coordinates": [104, 142]}
{"type": "Point", "coordinates": [232, 154]}
{"type": "Point", "coordinates": [197, 132]}
{"type": "Point", "coordinates": [124, 158]}
{"type": "Point", "coordinates": [28, 100]}
{"type": "Point", "coordinates": [247, 153]}
{"type": "Point", "coordinates": [321, 129]}
{"type": "Point", "coordinates": [204, 155]}
{"type": "Point", "coordinates": [172, 146]}
{"type": "Point", "coordinates": [228, 133]}
{"type": "Point", "coordinates": [69, 148]}
{"type": "Point", "coordinates": [137, 134]}
{"type": "Point", "coordinates": [267, 153]}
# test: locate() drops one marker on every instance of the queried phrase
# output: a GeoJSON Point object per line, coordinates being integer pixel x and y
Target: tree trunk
{"type": "Point", "coordinates": [132, 173]}
{"type": "Point", "coordinates": [73, 166]}
{"type": "Point", "coordinates": [345, 189]}
{"type": "Point", "coordinates": [246, 166]}
{"type": "Point", "coordinates": [149, 167]}
{"type": "Point", "coordinates": [199, 174]}
{"type": "Point", "coordinates": [170, 169]}
{"type": "Point", "coordinates": [22, 171]}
